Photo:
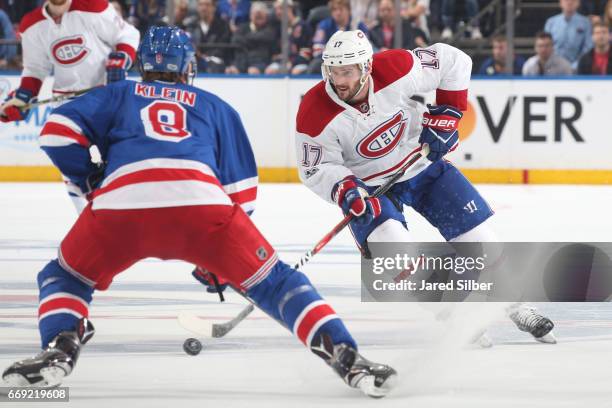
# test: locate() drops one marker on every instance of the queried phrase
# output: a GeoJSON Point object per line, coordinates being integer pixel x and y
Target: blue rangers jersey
{"type": "Point", "coordinates": [162, 144]}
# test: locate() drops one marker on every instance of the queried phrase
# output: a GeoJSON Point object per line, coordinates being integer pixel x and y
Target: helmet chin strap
{"type": "Point", "coordinates": [362, 81]}
{"type": "Point", "coordinates": [192, 72]}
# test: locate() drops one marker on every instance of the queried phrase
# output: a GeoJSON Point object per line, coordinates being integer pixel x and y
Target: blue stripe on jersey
{"type": "Point", "coordinates": [134, 128]}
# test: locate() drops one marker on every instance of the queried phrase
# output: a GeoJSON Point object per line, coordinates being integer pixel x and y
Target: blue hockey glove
{"type": "Point", "coordinates": [440, 130]}
{"type": "Point", "coordinates": [117, 66]}
{"type": "Point", "coordinates": [12, 110]}
{"type": "Point", "coordinates": [352, 196]}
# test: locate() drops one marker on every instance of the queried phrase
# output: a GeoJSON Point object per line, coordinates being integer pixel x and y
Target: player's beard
{"type": "Point", "coordinates": [57, 8]}
{"type": "Point", "coordinates": [347, 93]}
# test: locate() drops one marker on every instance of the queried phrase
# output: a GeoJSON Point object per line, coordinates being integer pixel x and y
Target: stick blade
{"type": "Point", "coordinates": [194, 324]}
{"type": "Point", "coordinates": [221, 329]}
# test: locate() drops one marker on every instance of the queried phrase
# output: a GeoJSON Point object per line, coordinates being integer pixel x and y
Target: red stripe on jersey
{"type": "Point", "coordinates": [30, 19]}
{"type": "Point", "coordinates": [31, 84]}
{"type": "Point", "coordinates": [317, 109]}
{"type": "Point", "coordinates": [310, 320]}
{"type": "Point", "coordinates": [128, 49]}
{"type": "Point", "coordinates": [458, 99]}
{"type": "Point", "coordinates": [244, 196]}
{"type": "Point", "coordinates": [152, 175]}
{"type": "Point", "coordinates": [93, 6]}
{"type": "Point", "coordinates": [63, 303]}
{"type": "Point", "coordinates": [398, 165]}
{"type": "Point", "coordinates": [389, 66]}
{"type": "Point", "coordinates": [57, 129]}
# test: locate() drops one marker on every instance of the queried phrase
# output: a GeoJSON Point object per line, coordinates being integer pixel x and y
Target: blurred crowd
{"type": "Point", "coordinates": [244, 36]}
{"type": "Point", "coordinates": [574, 41]}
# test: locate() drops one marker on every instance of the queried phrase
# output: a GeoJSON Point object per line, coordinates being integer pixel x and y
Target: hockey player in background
{"type": "Point", "coordinates": [177, 164]}
{"type": "Point", "coordinates": [83, 43]}
{"type": "Point", "coordinates": [359, 126]}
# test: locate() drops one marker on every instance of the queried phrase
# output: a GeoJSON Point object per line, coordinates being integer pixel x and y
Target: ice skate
{"type": "Point", "coordinates": [373, 379]}
{"type": "Point", "coordinates": [49, 367]}
{"type": "Point", "coordinates": [482, 340]}
{"type": "Point", "coordinates": [528, 320]}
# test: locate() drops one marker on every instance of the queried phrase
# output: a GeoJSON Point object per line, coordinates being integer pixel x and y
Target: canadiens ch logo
{"type": "Point", "coordinates": [382, 140]}
{"type": "Point", "coordinates": [69, 50]}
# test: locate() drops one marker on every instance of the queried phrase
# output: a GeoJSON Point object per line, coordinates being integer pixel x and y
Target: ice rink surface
{"type": "Point", "coordinates": [136, 357]}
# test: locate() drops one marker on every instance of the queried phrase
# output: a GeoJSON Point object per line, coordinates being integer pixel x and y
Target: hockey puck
{"type": "Point", "coordinates": [192, 346]}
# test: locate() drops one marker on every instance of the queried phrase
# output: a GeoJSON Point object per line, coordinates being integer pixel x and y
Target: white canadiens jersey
{"type": "Point", "coordinates": [335, 140]}
{"type": "Point", "coordinates": [75, 50]}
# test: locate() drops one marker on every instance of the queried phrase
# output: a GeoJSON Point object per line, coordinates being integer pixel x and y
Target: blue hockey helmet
{"type": "Point", "coordinates": [166, 49]}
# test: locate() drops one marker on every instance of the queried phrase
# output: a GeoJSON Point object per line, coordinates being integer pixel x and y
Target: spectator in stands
{"type": "Point", "coordinates": [306, 6]}
{"type": "Point", "coordinates": [7, 52]}
{"type": "Point", "coordinates": [144, 13]}
{"type": "Point", "coordinates": [448, 18]}
{"type": "Point", "coordinates": [593, 9]}
{"type": "Point", "coordinates": [546, 62]}
{"type": "Point", "coordinates": [210, 29]}
{"type": "Point", "coordinates": [235, 12]}
{"type": "Point", "coordinates": [363, 11]}
{"type": "Point", "coordinates": [300, 41]}
{"type": "Point", "coordinates": [257, 42]}
{"type": "Point", "coordinates": [598, 60]}
{"type": "Point", "coordinates": [496, 64]}
{"type": "Point", "coordinates": [417, 11]}
{"type": "Point", "coordinates": [607, 14]}
{"type": "Point", "coordinates": [571, 32]}
{"type": "Point", "coordinates": [183, 17]}
{"type": "Point", "coordinates": [340, 19]}
{"type": "Point", "coordinates": [382, 35]}
{"type": "Point", "coordinates": [16, 9]}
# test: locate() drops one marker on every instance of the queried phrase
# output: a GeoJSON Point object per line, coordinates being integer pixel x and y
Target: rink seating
{"type": "Point", "coordinates": [515, 131]}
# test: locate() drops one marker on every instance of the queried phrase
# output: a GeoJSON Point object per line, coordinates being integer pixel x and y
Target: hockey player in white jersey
{"type": "Point", "coordinates": [83, 43]}
{"type": "Point", "coordinates": [359, 126]}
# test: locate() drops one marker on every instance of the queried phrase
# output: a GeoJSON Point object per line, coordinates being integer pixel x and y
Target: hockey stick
{"type": "Point", "coordinates": [381, 190]}
{"type": "Point", "coordinates": [198, 326]}
{"type": "Point", "coordinates": [58, 98]}
{"type": "Point", "coordinates": [202, 328]}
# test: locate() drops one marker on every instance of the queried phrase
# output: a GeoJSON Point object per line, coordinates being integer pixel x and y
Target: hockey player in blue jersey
{"type": "Point", "coordinates": [178, 167]}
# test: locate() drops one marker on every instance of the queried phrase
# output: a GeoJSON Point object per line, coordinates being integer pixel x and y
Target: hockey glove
{"type": "Point", "coordinates": [352, 196]}
{"type": "Point", "coordinates": [213, 283]}
{"type": "Point", "coordinates": [92, 181]}
{"type": "Point", "coordinates": [440, 130]}
{"type": "Point", "coordinates": [117, 66]}
{"type": "Point", "coordinates": [12, 110]}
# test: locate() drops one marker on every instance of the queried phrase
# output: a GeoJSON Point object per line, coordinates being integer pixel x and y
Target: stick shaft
{"type": "Point", "coordinates": [381, 190]}
{"type": "Point", "coordinates": [57, 98]}
{"type": "Point", "coordinates": [223, 328]}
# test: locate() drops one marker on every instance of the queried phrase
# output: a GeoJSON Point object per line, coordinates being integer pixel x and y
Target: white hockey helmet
{"type": "Point", "coordinates": [347, 48]}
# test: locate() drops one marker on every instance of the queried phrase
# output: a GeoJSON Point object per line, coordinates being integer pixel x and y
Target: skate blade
{"type": "Point", "coordinates": [368, 386]}
{"type": "Point", "coordinates": [53, 376]}
{"type": "Point", "coordinates": [484, 341]}
{"type": "Point", "coordinates": [16, 380]}
{"type": "Point", "coordinates": [548, 338]}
